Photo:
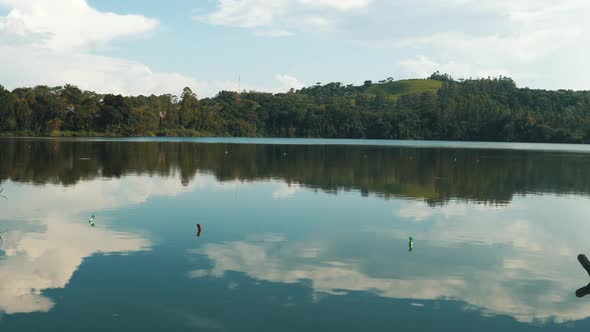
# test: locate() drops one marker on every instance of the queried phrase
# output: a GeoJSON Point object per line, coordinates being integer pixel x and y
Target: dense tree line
{"type": "Point", "coordinates": [432, 175]}
{"type": "Point", "coordinates": [492, 109]}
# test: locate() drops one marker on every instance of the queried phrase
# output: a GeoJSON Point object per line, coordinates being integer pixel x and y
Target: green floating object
{"type": "Point", "coordinates": [411, 244]}
{"type": "Point", "coordinates": [91, 221]}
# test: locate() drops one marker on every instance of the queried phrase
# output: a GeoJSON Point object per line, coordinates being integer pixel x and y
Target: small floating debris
{"type": "Point", "coordinates": [84, 158]}
{"type": "Point", "coordinates": [1, 239]}
{"type": "Point", "coordinates": [411, 244]}
{"type": "Point", "coordinates": [1, 190]}
{"type": "Point", "coordinates": [91, 221]}
{"type": "Point", "coordinates": [439, 178]}
{"type": "Point", "coordinates": [199, 230]}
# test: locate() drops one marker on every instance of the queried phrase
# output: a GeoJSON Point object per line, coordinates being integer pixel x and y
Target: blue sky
{"type": "Point", "coordinates": [143, 47]}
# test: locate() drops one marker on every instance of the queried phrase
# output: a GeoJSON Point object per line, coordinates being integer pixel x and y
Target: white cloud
{"type": "Point", "coordinates": [535, 42]}
{"type": "Point", "coordinates": [72, 24]}
{"type": "Point", "coordinates": [285, 83]}
{"type": "Point", "coordinates": [289, 82]}
{"type": "Point", "coordinates": [29, 66]}
{"type": "Point", "coordinates": [53, 43]}
{"type": "Point", "coordinates": [422, 66]}
{"type": "Point", "coordinates": [24, 66]}
{"type": "Point", "coordinates": [245, 13]}
{"type": "Point", "coordinates": [49, 43]}
{"type": "Point", "coordinates": [317, 23]}
{"type": "Point", "coordinates": [281, 17]}
{"type": "Point", "coordinates": [274, 32]}
{"type": "Point", "coordinates": [342, 5]}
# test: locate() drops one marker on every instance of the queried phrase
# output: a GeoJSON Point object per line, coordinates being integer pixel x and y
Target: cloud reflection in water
{"type": "Point", "coordinates": [509, 260]}
{"type": "Point", "coordinates": [52, 238]}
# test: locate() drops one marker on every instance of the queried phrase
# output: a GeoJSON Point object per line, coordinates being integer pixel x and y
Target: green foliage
{"type": "Point", "coordinates": [438, 108]}
{"type": "Point", "coordinates": [395, 89]}
{"type": "Point", "coordinates": [440, 77]}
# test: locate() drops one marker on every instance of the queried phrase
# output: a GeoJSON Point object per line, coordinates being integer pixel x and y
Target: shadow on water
{"type": "Point", "coordinates": [432, 175]}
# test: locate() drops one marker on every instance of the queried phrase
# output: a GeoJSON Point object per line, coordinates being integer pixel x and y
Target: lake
{"type": "Point", "coordinates": [296, 235]}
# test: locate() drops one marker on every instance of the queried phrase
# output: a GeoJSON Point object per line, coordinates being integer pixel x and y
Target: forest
{"type": "Point", "coordinates": [436, 108]}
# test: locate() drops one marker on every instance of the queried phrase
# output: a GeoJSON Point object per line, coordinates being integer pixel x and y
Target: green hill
{"type": "Point", "coordinates": [397, 88]}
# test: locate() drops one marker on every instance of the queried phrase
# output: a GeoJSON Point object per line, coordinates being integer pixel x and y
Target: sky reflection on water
{"type": "Point", "coordinates": [274, 246]}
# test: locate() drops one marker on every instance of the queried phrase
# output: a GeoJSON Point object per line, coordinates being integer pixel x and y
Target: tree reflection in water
{"type": "Point", "coordinates": [433, 175]}
{"type": "Point", "coordinates": [2, 232]}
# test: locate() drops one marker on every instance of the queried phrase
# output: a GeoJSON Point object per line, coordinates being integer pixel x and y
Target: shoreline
{"type": "Point", "coordinates": [516, 146]}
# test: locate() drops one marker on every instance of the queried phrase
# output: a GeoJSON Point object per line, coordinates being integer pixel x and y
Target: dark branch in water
{"type": "Point", "coordinates": [586, 265]}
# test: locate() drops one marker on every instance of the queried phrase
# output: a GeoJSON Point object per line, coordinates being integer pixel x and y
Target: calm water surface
{"type": "Point", "coordinates": [297, 236]}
